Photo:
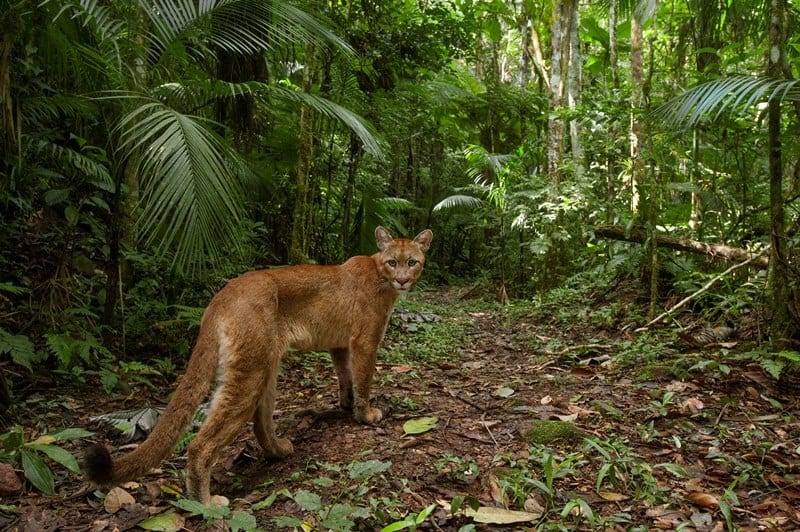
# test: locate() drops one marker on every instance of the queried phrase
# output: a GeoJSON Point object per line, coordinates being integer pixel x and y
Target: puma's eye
{"type": "Point", "coordinates": [412, 262]}
{"type": "Point", "coordinates": [391, 263]}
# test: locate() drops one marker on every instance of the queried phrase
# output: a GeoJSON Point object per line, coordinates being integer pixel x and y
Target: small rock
{"type": "Point", "coordinates": [9, 481]}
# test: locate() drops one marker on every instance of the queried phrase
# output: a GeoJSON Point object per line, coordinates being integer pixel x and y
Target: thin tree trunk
{"type": "Point", "coordinates": [781, 326]}
{"type": "Point", "coordinates": [637, 166]}
{"type": "Point", "coordinates": [555, 125]}
{"type": "Point", "coordinates": [298, 248]}
{"type": "Point", "coordinates": [612, 43]}
{"type": "Point", "coordinates": [574, 91]}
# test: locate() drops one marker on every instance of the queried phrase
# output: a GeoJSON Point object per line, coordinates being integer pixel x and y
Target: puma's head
{"type": "Point", "coordinates": [401, 260]}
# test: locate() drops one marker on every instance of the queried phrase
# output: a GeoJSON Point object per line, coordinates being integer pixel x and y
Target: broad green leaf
{"type": "Point", "coordinates": [368, 469]}
{"type": "Point", "coordinates": [285, 521]}
{"type": "Point", "coordinates": [37, 471]}
{"type": "Point", "coordinates": [308, 500]}
{"type": "Point", "coordinates": [170, 521]}
{"type": "Point", "coordinates": [57, 454]}
{"type": "Point", "coordinates": [242, 521]}
{"type": "Point", "coordinates": [13, 439]}
{"type": "Point", "coordinates": [420, 425]}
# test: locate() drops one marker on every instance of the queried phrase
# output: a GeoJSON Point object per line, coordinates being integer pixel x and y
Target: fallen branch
{"type": "Point", "coordinates": [639, 235]}
{"type": "Point", "coordinates": [695, 294]}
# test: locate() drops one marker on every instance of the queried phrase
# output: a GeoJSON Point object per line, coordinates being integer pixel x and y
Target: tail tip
{"type": "Point", "coordinates": [98, 465]}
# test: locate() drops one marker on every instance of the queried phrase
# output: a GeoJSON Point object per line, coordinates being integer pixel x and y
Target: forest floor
{"type": "Point", "coordinates": [651, 433]}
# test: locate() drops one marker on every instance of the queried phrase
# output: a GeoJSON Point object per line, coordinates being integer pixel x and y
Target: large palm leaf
{"type": "Point", "coordinates": [735, 93]}
{"type": "Point", "coordinates": [190, 188]}
{"type": "Point", "coordinates": [191, 195]}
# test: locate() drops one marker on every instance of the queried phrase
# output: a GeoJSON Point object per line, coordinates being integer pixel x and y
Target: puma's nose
{"type": "Point", "coordinates": [402, 280]}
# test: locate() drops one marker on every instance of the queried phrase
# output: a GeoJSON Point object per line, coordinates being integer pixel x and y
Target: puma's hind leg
{"type": "Point", "coordinates": [233, 405]}
{"type": "Point", "coordinates": [344, 372]}
{"type": "Point", "coordinates": [263, 425]}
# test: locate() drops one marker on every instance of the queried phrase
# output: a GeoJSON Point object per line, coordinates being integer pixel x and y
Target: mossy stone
{"type": "Point", "coordinates": [544, 431]}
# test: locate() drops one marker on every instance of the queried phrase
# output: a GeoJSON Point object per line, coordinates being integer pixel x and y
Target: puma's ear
{"type": "Point", "coordinates": [424, 239]}
{"type": "Point", "coordinates": [383, 237]}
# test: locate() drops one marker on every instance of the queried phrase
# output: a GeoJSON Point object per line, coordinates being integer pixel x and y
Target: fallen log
{"type": "Point", "coordinates": [639, 235]}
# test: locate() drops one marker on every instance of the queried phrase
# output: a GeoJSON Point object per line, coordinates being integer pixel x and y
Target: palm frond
{"type": "Point", "coordinates": [455, 201]}
{"type": "Point", "coordinates": [87, 167]}
{"type": "Point", "coordinates": [712, 98]}
{"type": "Point", "coordinates": [191, 195]}
{"type": "Point", "coordinates": [197, 94]}
{"type": "Point", "coordinates": [357, 124]}
{"type": "Point", "coordinates": [237, 26]}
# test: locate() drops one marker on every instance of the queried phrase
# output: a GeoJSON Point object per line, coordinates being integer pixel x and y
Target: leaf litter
{"type": "Point", "coordinates": [701, 449]}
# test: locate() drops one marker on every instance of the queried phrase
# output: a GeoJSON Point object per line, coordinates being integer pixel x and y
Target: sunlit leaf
{"type": "Point", "coordinates": [420, 425]}
{"type": "Point", "coordinates": [166, 522]}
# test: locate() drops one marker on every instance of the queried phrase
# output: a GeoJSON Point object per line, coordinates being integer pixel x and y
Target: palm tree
{"type": "Point", "coordinates": [148, 64]}
{"type": "Point", "coordinates": [741, 94]}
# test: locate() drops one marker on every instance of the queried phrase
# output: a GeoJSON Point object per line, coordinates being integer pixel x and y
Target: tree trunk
{"type": "Point", "coordinates": [301, 226]}
{"type": "Point", "coordinates": [612, 43]}
{"type": "Point", "coordinates": [641, 235]}
{"type": "Point", "coordinates": [782, 326]}
{"type": "Point", "coordinates": [574, 90]}
{"type": "Point", "coordinates": [637, 165]}
{"type": "Point", "coordinates": [555, 125]}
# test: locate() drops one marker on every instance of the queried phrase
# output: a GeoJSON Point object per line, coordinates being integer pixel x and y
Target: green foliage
{"type": "Point", "coordinates": [20, 348]}
{"type": "Point", "coordinates": [235, 520]}
{"type": "Point", "coordinates": [30, 455]}
{"type": "Point", "coordinates": [342, 501]}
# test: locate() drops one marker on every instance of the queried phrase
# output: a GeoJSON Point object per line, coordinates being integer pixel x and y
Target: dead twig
{"type": "Point", "coordinates": [705, 287]}
{"type": "Point", "coordinates": [465, 400]}
{"type": "Point", "coordinates": [486, 426]}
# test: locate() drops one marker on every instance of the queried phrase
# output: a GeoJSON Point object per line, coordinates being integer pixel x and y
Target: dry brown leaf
{"type": "Point", "coordinates": [500, 516]}
{"type": "Point", "coordinates": [219, 500]}
{"type": "Point", "coordinates": [116, 498]}
{"type": "Point", "coordinates": [582, 412]}
{"type": "Point", "coordinates": [612, 496]}
{"type": "Point", "coordinates": [706, 500]}
{"type": "Point", "coordinates": [692, 405]}
{"type": "Point", "coordinates": [567, 417]}
{"type": "Point", "coordinates": [402, 368]}
{"type": "Point", "coordinates": [533, 505]}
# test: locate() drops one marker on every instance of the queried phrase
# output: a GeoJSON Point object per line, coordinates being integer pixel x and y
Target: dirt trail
{"type": "Point", "coordinates": [709, 435]}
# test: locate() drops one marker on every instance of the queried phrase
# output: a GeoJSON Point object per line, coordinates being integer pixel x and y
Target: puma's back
{"type": "Point", "coordinates": [245, 331]}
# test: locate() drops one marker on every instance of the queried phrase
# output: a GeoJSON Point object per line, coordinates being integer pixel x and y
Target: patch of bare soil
{"type": "Point", "coordinates": [720, 451]}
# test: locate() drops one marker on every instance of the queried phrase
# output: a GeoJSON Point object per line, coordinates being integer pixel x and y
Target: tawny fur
{"type": "Point", "coordinates": [245, 331]}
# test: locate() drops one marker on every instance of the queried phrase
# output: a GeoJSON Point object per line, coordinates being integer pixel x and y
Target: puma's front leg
{"type": "Point", "coordinates": [344, 371]}
{"type": "Point", "coordinates": [362, 361]}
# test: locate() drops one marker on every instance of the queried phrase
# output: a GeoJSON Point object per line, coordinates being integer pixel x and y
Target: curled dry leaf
{"type": "Point", "coordinates": [705, 500]}
{"type": "Point", "coordinates": [116, 498]}
{"type": "Point", "coordinates": [692, 405]}
{"type": "Point", "coordinates": [612, 496]}
{"type": "Point", "coordinates": [219, 500]}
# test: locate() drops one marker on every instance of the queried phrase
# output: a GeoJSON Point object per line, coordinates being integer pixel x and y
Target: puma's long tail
{"type": "Point", "coordinates": [193, 388]}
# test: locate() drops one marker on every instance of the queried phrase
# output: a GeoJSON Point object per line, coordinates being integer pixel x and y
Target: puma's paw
{"type": "Point", "coordinates": [281, 448]}
{"type": "Point", "coordinates": [346, 401]}
{"type": "Point", "coordinates": [368, 415]}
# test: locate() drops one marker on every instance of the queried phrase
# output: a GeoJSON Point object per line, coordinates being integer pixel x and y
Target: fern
{"type": "Point", "coordinates": [20, 348]}
{"type": "Point", "coordinates": [71, 351]}
{"type": "Point", "coordinates": [773, 366]}
{"type": "Point", "coordinates": [13, 289]}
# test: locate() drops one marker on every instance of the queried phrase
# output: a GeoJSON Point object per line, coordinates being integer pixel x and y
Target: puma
{"type": "Point", "coordinates": [245, 331]}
